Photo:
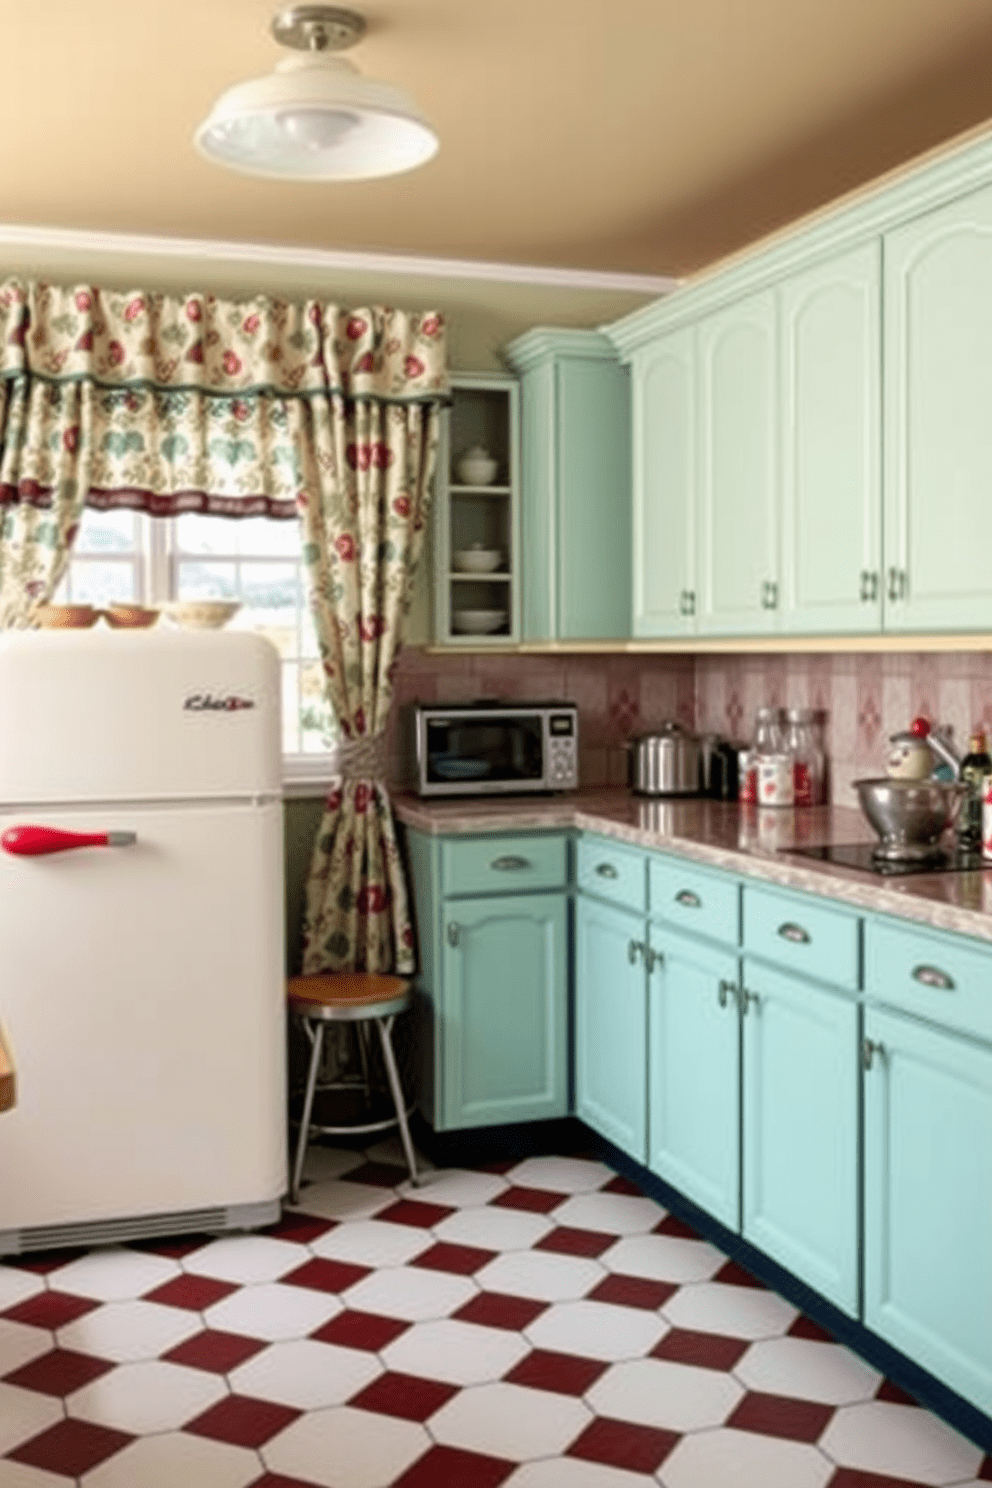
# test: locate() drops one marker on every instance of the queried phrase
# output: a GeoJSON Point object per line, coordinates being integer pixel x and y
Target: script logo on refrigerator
{"type": "Point", "coordinates": [209, 702]}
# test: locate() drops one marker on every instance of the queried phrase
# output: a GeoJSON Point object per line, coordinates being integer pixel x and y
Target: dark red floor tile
{"type": "Point", "coordinates": [854, 1477]}
{"type": "Point", "coordinates": [731, 1274]}
{"type": "Point", "coordinates": [462, 1260]}
{"type": "Point", "coordinates": [633, 1291]}
{"type": "Point", "coordinates": [300, 1227]}
{"type": "Point", "coordinates": [640, 1449]}
{"type": "Point", "coordinates": [70, 1447]}
{"type": "Point", "coordinates": [241, 1421]}
{"type": "Point", "coordinates": [450, 1467]}
{"type": "Point", "coordinates": [214, 1351]}
{"type": "Point", "coordinates": [565, 1241]}
{"type": "Point", "coordinates": [360, 1330]}
{"type": "Point", "coordinates": [621, 1185]}
{"type": "Point", "coordinates": [416, 1213]}
{"type": "Point", "coordinates": [403, 1395]}
{"type": "Point", "coordinates": [564, 1374]}
{"type": "Point", "coordinates": [677, 1228]}
{"type": "Point", "coordinates": [804, 1327]}
{"type": "Point", "coordinates": [325, 1276]}
{"type": "Point", "coordinates": [777, 1415]}
{"type": "Point", "coordinates": [174, 1247]}
{"type": "Point", "coordinates": [894, 1394]}
{"type": "Point", "coordinates": [531, 1200]}
{"type": "Point", "coordinates": [984, 1473]}
{"type": "Point", "coordinates": [377, 1174]}
{"type": "Point", "coordinates": [50, 1310]}
{"type": "Point", "coordinates": [58, 1372]}
{"type": "Point", "coordinates": [704, 1350]}
{"type": "Point", "coordinates": [498, 1165]}
{"type": "Point", "coordinates": [195, 1293]}
{"type": "Point", "coordinates": [43, 1261]}
{"type": "Point", "coordinates": [499, 1310]}
{"type": "Point", "coordinates": [278, 1480]}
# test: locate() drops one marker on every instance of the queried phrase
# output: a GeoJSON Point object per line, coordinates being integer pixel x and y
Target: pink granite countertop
{"type": "Point", "coordinates": [739, 839]}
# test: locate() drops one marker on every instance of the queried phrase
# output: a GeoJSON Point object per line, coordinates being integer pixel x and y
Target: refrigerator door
{"type": "Point", "coordinates": [142, 987]}
{"type": "Point", "coordinates": [104, 715]}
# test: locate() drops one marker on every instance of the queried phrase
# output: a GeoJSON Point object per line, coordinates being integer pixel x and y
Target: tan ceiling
{"type": "Point", "coordinates": [649, 136]}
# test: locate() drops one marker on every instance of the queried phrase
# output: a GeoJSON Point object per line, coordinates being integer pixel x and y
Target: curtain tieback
{"type": "Point", "coordinates": [362, 759]}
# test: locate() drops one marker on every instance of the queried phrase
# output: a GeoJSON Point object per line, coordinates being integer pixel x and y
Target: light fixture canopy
{"type": "Point", "coordinates": [315, 118]}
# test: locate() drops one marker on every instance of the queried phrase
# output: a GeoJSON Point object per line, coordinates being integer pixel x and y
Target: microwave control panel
{"type": "Point", "coordinates": [563, 752]}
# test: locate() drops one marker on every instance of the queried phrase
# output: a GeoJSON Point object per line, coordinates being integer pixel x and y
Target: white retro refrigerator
{"type": "Point", "coordinates": [141, 971]}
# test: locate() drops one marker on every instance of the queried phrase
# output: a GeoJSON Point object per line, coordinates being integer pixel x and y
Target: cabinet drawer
{"type": "Point", "coordinates": [802, 934]}
{"type": "Point", "coordinates": [612, 872]}
{"type": "Point", "coordinates": [946, 979]}
{"type": "Point", "coordinates": [690, 897]}
{"type": "Point", "coordinates": [488, 865]}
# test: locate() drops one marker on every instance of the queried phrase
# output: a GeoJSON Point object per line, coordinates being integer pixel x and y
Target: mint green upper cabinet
{"type": "Point", "coordinates": [664, 485]}
{"type": "Point", "coordinates": [938, 410]}
{"type": "Point", "coordinates": [575, 438]}
{"type": "Point", "coordinates": [737, 506]}
{"type": "Point", "coordinates": [830, 326]}
{"type": "Point", "coordinates": [611, 1024]}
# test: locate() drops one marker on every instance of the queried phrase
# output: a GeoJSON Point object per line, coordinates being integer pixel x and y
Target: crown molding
{"type": "Point", "coordinates": [544, 342]}
{"type": "Point", "coordinates": [77, 240]}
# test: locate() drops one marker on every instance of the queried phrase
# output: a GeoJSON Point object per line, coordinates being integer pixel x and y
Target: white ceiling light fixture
{"type": "Point", "coordinates": [315, 118]}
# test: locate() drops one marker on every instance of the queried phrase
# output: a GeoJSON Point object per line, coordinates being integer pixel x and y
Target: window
{"type": "Point", "coordinates": [122, 556]}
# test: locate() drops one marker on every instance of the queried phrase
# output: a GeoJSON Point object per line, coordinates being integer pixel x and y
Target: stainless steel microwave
{"type": "Point", "coordinates": [462, 749]}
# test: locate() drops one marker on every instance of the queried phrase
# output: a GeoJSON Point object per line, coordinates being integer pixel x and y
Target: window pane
{"type": "Point", "coordinates": [106, 532]}
{"type": "Point", "coordinates": [206, 580]}
{"type": "Point", "coordinates": [199, 534]}
{"type": "Point", "coordinates": [249, 537]}
{"type": "Point", "coordinates": [318, 727]}
{"type": "Point", "coordinates": [308, 633]}
{"type": "Point", "coordinates": [265, 536]}
{"type": "Point", "coordinates": [270, 599]}
{"type": "Point", "coordinates": [101, 584]}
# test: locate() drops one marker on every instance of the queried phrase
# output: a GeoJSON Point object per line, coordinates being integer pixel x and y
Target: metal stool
{"type": "Point", "coordinates": [349, 997]}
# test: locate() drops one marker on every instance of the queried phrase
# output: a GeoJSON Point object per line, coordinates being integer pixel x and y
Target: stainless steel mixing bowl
{"type": "Point", "coordinates": [910, 816]}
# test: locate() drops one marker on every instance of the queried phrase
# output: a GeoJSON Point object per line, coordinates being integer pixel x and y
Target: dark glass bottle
{"type": "Point", "coordinates": [975, 766]}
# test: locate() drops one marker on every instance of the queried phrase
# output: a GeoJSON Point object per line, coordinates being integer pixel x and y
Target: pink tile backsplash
{"type": "Point", "coordinates": [866, 696]}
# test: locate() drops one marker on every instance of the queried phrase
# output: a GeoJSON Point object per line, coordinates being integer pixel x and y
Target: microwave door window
{"type": "Point", "coordinates": [484, 749]}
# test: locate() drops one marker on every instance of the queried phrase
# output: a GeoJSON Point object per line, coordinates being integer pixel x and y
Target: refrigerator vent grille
{"type": "Point", "coordinates": [103, 1232]}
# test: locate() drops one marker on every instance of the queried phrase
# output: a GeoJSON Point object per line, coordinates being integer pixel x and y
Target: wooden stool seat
{"type": "Point", "coordinates": [358, 997]}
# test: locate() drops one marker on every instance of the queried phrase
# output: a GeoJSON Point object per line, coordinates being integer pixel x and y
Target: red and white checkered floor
{"type": "Point", "coordinates": [540, 1325]}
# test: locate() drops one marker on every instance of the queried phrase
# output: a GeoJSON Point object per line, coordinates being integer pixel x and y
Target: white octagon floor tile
{"type": "Point", "coordinates": [610, 1213]}
{"type": "Point", "coordinates": [510, 1421]}
{"type": "Point", "coordinates": [19, 1475]}
{"type": "Point", "coordinates": [273, 1311]}
{"type": "Point", "coordinates": [19, 1344]}
{"type": "Point", "coordinates": [741, 1312]}
{"type": "Point", "coordinates": [163, 1461]}
{"type": "Point", "coordinates": [346, 1449]}
{"type": "Point", "coordinates": [126, 1331]}
{"type": "Point", "coordinates": [306, 1374]}
{"type": "Point", "coordinates": [373, 1242]}
{"type": "Point", "coordinates": [899, 1441]}
{"type": "Point", "coordinates": [246, 1258]}
{"type": "Point", "coordinates": [493, 1228]}
{"type": "Point", "coordinates": [597, 1330]}
{"type": "Point", "coordinates": [654, 1392]}
{"type": "Point", "coordinates": [458, 1353]}
{"type": "Point", "coordinates": [540, 1274]}
{"type": "Point", "coordinates": [455, 1187]}
{"type": "Point", "coordinates": [663, 1258]}
{"type": "Point", "coordinates": [23, 1414]}
{"type": "Point", "coordinates": [17, 1286]}
{"type": "Point", "coordinates": [410, 1294]}
{"type": "Point", "coordinates": [113, 1275]}
{"type": "Point", "coordinates": [152, 1396]}
{"type": "Point", "coordinates": [342, 1200]}
{"type": "Point", "coordinates": [805, 1369]}
{"type": "Point", "coordinates": [566, 1175]}
{"type": "Point", "coordinates": [572, 1472]}
{"type": "Point", "coordinates": [743, 1459]}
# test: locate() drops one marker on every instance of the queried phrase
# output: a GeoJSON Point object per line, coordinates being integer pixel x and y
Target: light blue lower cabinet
{"type": "Point", "coordinates": [611, 1024]}
{"type": "Point", "coordinates": [694, 1072]}
{"type": "Point", "coordinates": [504, 1031]}
{"type": "Point", "coordinates": [928, 1199]}
{"type": "Point", "coordinates": [800, 1129]}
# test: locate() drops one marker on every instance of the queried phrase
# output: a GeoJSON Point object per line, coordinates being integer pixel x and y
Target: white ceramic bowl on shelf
{"type": "Point", "coordinates": [478, 622]}
{"type": "Point", "coordinates": [476, 468]}
{"type": "Point", "coordinates": [201, 614]}
{"type": "Point", "coordinates": [477, 559]}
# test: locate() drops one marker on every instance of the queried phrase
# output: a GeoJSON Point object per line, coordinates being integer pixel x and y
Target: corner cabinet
{"type": "Point", "coordinates": [476, 516]}
{"type": "Point", "coordinates": [575, 486]}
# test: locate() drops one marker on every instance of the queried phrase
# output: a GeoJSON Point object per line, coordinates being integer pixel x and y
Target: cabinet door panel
{"type": "Point", "coordinates": [504, 1010]}
{"type": "Point", "coordinates": [610, 1025]}
{"type": "Point", "coordinates": [928, 1200]}
{"type": "Point", "coordinates": [694, 1073]}
{"type": "Point", "coordinates": [831, 429]}
{"type": "Point", "coordinates": [938, 452]}
{"type": "Point", "coordinates": [664, 485]}
{"type": "Point", "coordinates": [800, 1175]}
{"type": "Point", "coordinates": [738, 488]}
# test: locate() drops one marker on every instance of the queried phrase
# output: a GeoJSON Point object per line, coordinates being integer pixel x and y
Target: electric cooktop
{"type": "Point", "coordinates": [859, 855]}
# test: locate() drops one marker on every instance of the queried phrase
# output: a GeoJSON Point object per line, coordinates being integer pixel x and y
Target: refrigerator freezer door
{"type": "Point", "coordinates": [142, 988]}
{"type": "Point", "coordinates": [102, 715]}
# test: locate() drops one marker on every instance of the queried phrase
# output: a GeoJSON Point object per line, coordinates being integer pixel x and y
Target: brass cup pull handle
{"type": "Point", "coordinates": [932, 976]}
{"type": "Point", "coordinates": [511, 863]}
{"type": "Point", "coordinates": [688, 899]}
{"type": "Point", "coordinates": [794, 933]}
{"type": "Point", "coordinates": [606, 870]}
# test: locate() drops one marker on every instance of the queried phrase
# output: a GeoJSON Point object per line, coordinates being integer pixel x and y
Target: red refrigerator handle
{"type": "Point", "coordinates": [31, 842]}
